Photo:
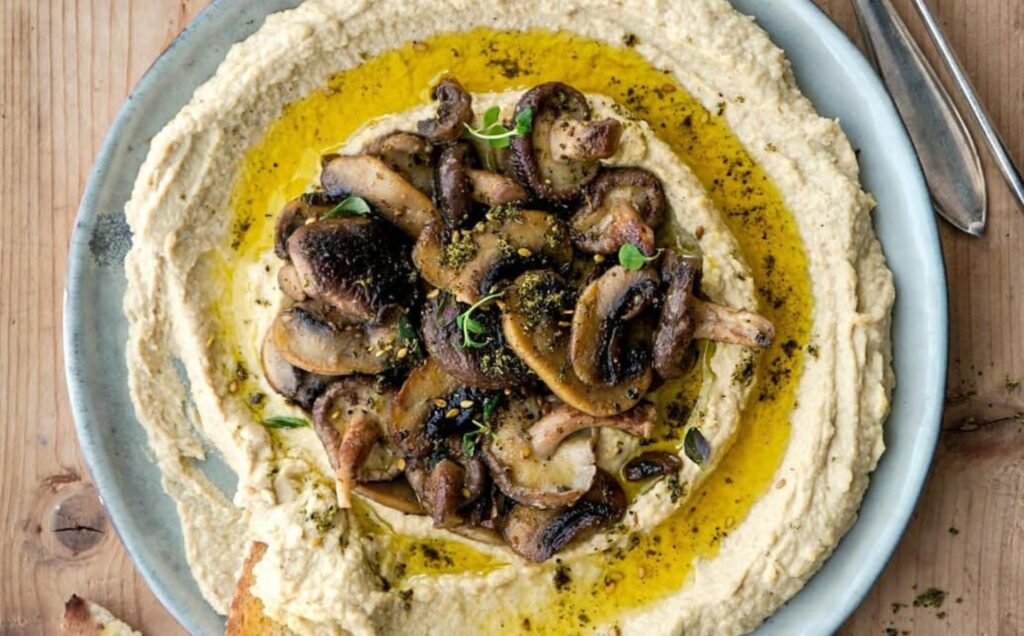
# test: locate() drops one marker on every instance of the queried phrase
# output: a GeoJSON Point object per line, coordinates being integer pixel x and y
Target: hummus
{"type": "Point", "coordinates": [767, 191]}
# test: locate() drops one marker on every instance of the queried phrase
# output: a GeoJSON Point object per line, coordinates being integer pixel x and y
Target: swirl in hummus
{"type": "Point", "coordinates": [625, 373]}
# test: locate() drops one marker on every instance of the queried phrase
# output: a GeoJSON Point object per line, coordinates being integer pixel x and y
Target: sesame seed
{"type": "Point", "coordinates": [439, 403]}
{"type": "Point", "coordinates": [402, 353]}
{"type": "Point", "coordinates": [232, 386]}
{"type": "Point", "coordinates": [564, 323]}
{"type": "Point", "coordinates": [335, 414]}
{"type": "Point", "coordinates": [451, 414]}
{"type": "Point", "coordinates": [400, 464]}
{"type": "Point", "coordinates": [598, 258]}
{"type": "Point", "coordinates": [433, 293]}
{"type": "Point", "coordinates": [524, 252]}
{"type": "Point", "coordinates": [466, 404]}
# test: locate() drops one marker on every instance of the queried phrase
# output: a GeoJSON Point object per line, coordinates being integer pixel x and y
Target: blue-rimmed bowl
{"type": "Point", "coordinates": [829, 69]}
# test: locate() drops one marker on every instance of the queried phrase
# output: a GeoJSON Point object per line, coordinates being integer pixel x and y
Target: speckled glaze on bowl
{"type": "Point", "coordinates": [829, 69]}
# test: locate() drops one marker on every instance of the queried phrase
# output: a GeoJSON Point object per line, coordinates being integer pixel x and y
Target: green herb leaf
{"type": "Point", "coordinates": [696, 447]}
{"type": "Point", "coordinates": [490, 404]}
{"type": "Point", "coordinates": [633, 259]}
{"type": "Point", "coordinates": [471, 326]}
{"type": "Point", "coordinates": [284, 421]}
{"type": "Point", "coordinates": [470, 439]}
{"type": "Point", "coordinates": [407, 335]}
{"type": "Point", "coordinates": [350, 206]}
{"type": "Point", "coordinates": [490, 116]}
{"type": "Point", "coordinates": [524, 122]}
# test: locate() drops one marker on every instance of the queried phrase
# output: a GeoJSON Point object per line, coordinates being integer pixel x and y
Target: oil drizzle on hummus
{"type": "Point", "coordinates": [286, 162]}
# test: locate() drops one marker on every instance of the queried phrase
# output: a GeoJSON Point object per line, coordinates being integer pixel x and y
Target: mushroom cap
{"type": "Point", "coordinates": [538, 535]}
{"type": "Point", "coordinates": [551, 482]}
{"type": "Point", "coordinates": [392, 196]}
{"type": "Point", "coordinates": [295, 214]}
{"type": "Point", "coordinates": [541, 165]}
{"type": "Point", "coordinates": [535, 324]}
{"type": "Point", "coordinates": [408, 154]}
{"type": "Point", "coordinates": [622, 205]}
{"type": "Point", "coordinates": [453, 187]}
{"type": "Point", "coordinates": [354, 263]}
{"type": "Point", "coordinates": [448, 482]}
{"type": "Point", "coordinates": [307, 338]}
{"type": "Point", "coordinates": [493, 366]}
{"type": "Point", "coordinates": [454, 110]}
{"type": "Point", "coordinates": [297, 385]}
{"type": "Point", "coordinates": [396, 494]}
{"type": "Point", "coordinates": [548, 432]}
{"type": "Point", "coordinates": [470, 263]}
{"type": "Point", "coordinates": [600, 323]}
{"type": "Point", "coordinates": [676, 326]}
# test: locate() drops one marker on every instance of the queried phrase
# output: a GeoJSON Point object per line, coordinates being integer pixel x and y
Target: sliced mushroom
{"type": "Point", "coordinates": [452, 184]}
{"type": "Point", "coordinates": [391, 195]}
{"type": "Point", "coordinates": [535, 324]}
{"type": "Point", "coordinates": [448, 482]}
{"type": "Point", "coordinates": [348, 419]}
{"type": "Point", "coordinates": [296, 213]}
{"type": "Point", "coordinates": [297, 385]}
{"type": "Point", "coordinates": [676, 325]}
{"type": "Point", "coordinates": [559, 156]}
{"type": "Point", "coordinates": [308, 340]}
{"type": "Point", "coordinates": [550, 482]}
{"type": "Point", "coordinates": [290, 283]}
{"type": "Point", "coordinates": [734, 326]}
{"type": "Point", "coordinates": [491, 188]}
{"type": "Point", "coordinates": [549, 431]}
{"type": "Point", "coordinates": [470, 263]}
{"type": "Point", "coordinates": [430, 406]}
{"type": "Point", "coordinates": [408, 154]}
{"type": "Point", "coordinates": [492, 366]}
{"type": "Point", "coordinates": [623, 205]}
{"type": "Point", "coordinates": [538, 535]}
{"type": "Point", "coordinates": [354, 263]}
{"type": "Point", "coordinates": [652, 464]}
{"type": "Point", "coordinates": [395, 494]}
{"type": "Point", "coordinates": [600, 322]}
{"type": "Point", "coordinates": [685, 317]}
{"type": "Point", "coordinates": [454, 110]}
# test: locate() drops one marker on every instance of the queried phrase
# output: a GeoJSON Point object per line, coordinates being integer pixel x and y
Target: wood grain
{"type": "Point", "coordinates": [66, 66]}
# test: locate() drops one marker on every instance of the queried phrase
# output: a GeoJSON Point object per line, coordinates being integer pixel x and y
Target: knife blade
{"type": "Point", "coordinates": [944, 146]}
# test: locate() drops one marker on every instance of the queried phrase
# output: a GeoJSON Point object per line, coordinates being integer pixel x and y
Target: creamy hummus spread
{"type": "Point", "coordinates": [765, 189]}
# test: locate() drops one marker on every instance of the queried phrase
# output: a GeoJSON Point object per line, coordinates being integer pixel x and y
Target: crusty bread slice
{"type": "Point", "coordinates": [245, 617]}
{"type": "Point", "coordinates": [85, 618]}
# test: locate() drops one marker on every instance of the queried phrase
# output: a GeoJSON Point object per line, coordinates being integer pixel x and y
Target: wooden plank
{"type": "Point", "coordinates": [65, 69]}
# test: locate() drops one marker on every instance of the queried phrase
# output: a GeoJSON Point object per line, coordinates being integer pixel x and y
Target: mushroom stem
{"type": "Point", "coordinates": [578, 140]}
{"type": "Point", "coordinates": [358, 441]}
{"type": "Point", "coordinates": [549, 431]}
{"type": "Point", "coordinates": [491, 188]}
{"type": "Point", "coordinates": [734, 326]}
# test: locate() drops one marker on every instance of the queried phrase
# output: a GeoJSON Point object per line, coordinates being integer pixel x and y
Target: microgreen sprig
{"type": "Point", "coordinates": [284, 421]}
{"type": "Point", "coordinates": [471, 326]}
{"type": "Point", "coordinates": [470, 439]}
{"type": "Point", "coordinates": [350, 206]}
{"type": "Point", "coordinates": [496, 134]}
{"type": "Point", "coordinates": [633, 259]}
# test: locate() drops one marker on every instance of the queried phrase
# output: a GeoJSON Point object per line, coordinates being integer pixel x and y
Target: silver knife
{"type": "Point", "coordinates": [947, 152]}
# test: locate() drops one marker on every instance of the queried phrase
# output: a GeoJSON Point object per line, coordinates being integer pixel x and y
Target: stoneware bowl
{"type": "Point", "coordinates": [831, 72]}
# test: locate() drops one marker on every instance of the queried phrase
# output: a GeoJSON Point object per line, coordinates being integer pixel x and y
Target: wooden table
{"type": "Point", "coordinates": [66, 68]}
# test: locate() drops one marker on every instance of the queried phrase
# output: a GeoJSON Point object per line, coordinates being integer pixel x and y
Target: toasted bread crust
{"type": "Point", "coordinates": [245, 617]}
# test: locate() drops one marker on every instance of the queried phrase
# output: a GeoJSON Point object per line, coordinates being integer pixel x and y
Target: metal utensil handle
{"type": "Point", "coordinates": [947, 152]}
{"type": "Point", "coordinates": [1003, 159]}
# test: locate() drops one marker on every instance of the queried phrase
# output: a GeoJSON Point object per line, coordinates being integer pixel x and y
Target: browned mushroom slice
{"type": "Point", "coordinates": [538, 535]}
{"type": "Point", "coordinates": [452, 184]}
{"type": "Point", "coordinates": [675, 326]}
{"type": "Point", "coordinates": [551, 482]}
{"type": "Point", "coordinates": [308, 340]}
{"type": "Point", "coordinates": [536, 326]}
{"type": "Point", "coordinates": [447, 483]}
{"type": "Point", "coordinates": [296, 213]}
{"type": "Point", "coordinates": [348, 419]}
{"type": "Point", "coordinates": [297, 385]}
{"type": "Point", "coordinates": [685, 317]}
{"type": "Point", "coordinates": [454, 111]}
{"type": "Point", "coordinates": [408, 154]}
{"type": "Point", "coordinates": [491, 366]}
{"type": "Point", "coordinates": [549, 431]}
{"type": "Point", "coordinates": [652, 464]}
{"type": "Point", "coordinates": [559, 156]}
{"type": "Point", "coordinates": [470, 263]}
{"type": "Point", "coordinates": [430, 406]}
{"type": "Point", "coordinates": [354, 263]}
{"type": "Point", "coordinates": [491, 189]}
{"type": "Point", "coordinates": [623, 205]}
{"type": "Point", "coordinates": [600, 322]}
{"type": "Point", "coordinates": [390, 194]}
{"type": "Point", "coordinates": [395, 494]}
{"type": "Point", "coordinates": [289, 282]}
{"type": "Point", "coordinates": [734, 326]}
